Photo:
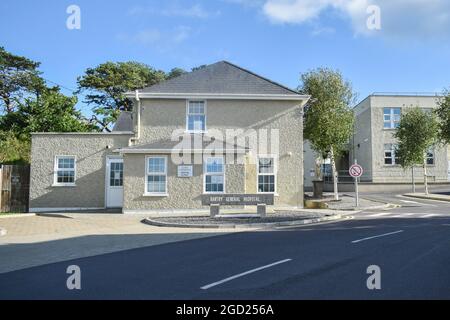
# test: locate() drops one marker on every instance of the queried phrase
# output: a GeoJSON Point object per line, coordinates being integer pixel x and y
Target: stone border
{"type": "Point", "coordinates": [431, 196]}
{"type": "Point", "coordinates": [384, 205]}
{"type": "Point", "coordinates": [2, 232]}
{"type": "Point", "coordinates": [333, 217]}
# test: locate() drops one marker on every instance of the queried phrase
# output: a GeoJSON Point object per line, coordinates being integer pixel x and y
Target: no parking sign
{"type": "Point", "coordinates": [356, 171]}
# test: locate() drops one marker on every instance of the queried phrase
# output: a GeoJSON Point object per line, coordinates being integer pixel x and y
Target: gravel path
{"type": "Point", "coordinates": [270, 218]}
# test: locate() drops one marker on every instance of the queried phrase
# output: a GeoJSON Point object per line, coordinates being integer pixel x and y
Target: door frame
{"type": "Point", "coordinates": [107, 172]}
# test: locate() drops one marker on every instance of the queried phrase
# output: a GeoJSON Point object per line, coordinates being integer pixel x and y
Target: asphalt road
{"type": "Point", "coordinates": [328, 261]}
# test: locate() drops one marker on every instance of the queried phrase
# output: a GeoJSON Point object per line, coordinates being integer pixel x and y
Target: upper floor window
{"type": "Point", "coordinates": [390, 156]}
{"type": "Point", "coordinates": [196, 116]}
{"type": "Point", "coordinates": [391, 117]}
{"type": "Point", "coordinates": [64, 171]}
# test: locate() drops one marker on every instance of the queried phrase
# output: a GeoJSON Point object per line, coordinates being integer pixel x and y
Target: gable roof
{"type": "Point", "coordinates": [124, 122]}
{"type": "Point", "coordinates": [221, 77]}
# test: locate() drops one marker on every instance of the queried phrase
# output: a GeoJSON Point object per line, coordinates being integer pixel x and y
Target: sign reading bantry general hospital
{"type": "Point", "coordinates": [238, 199]}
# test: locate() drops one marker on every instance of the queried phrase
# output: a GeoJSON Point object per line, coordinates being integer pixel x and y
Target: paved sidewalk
{"type": "Point", "coordinates": [347, 203]}
{"type": "Point", "coordinates": [33, 241]}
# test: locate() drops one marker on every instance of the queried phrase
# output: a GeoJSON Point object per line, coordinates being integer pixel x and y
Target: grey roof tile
{"type": "Point", "coordinates": [124, 122]}
{"type": "Point", "coordinates": [222, 77]}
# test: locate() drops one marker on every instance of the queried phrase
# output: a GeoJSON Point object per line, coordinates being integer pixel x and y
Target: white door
{"type": "Point", "coordinates": [114, 183]}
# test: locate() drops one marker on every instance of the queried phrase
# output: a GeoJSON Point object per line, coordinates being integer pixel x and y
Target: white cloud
{"type": "Point", "coordinates": [182, 33]}
{"type": "Point", "coordinates": [162, 40]}
{"type": "Point", "coordinates": [174, 10]}
{"type": "Point", "coordinates": [145, 37]}
{"type": "Point", "coordinates": [410, 19]}
{"type": "Point", "coordinates": [318, 30]}
{"type": "Point", "coordinates": [300, 11]}
{"type": "Point", "coordinates": [247, 3]}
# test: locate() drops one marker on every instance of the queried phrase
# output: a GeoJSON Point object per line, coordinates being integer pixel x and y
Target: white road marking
{"type": "Point", "coordinates": [421, 203]}
{"type": "Point", "coordinates": [416, 215]}
{"type": "Point", "coordinates": [378, 236]}
{"type": "Point", "coordinates": [430, 215]}
{"type": "Point", "coordinates": [379, 214]}
{"type": "Point", "coordinates": [244, 274]}
{"type": "Point", "coordinates": [408, 201]}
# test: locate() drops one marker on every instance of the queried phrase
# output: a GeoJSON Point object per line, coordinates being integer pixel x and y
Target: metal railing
{"type": "Point", "coordinates": [399, 175]}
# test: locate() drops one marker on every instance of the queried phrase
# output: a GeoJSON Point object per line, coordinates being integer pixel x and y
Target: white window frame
{"type": "Point", "coordinates": [391, 120]}
{"type": "Point", "coordinates": [147, 174]}
{"type": "Point", "coordinates": [109, 174]}
{"type": "Point", "coordinates": [188, 114]}
{"type": "Point", "coordinates": [205, 174]}
{"type": "Point", "coordinates": [393, 154]}
{"type": "Point", "coordinates": [56, 169]}
{"type": "Point", "coordinates": [275, 172]}
{"type": "Point", "coordinates": [433, 152]}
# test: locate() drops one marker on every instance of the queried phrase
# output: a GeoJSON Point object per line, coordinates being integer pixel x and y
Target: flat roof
{"type": "Point", "coordinates": [84, 133]}
{"type": "Point", "coordinates": [407, 94]}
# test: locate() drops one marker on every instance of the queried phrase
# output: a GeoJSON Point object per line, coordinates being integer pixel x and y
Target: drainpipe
{"type": "Point", "coordinates": [138, 115]}
{"type": "Point", "coordinates": [138, 119]}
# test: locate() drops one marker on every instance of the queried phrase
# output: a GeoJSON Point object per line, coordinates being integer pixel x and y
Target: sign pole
{"type": "Point", "coordinates": [356, 188]}
{"type": "Point", "coordinates": [356, 171]}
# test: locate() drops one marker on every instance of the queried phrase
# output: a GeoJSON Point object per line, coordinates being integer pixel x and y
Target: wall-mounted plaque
{"type": "Point", "coordinates": [185, 171]}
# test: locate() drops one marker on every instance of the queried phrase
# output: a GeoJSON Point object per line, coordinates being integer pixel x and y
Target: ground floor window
{"type": "Point", "coordinates": [390, 157]}
{"type": "Point", "coordinates": [430, 157]}
{"type": "Point", "coordinates": [64, 170]}
{"type": "Point", "coordinates": [266, 174]}
{"type": "Point", "coordinates": [156, 175]}
{"type": "Point", "coordinates": [214, 175]}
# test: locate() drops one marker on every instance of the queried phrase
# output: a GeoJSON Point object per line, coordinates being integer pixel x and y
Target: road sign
{"type": "Point", "coordinates": [356, 171]}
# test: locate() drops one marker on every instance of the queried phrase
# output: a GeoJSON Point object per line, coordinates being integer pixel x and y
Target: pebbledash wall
{"type": "Point", "coordinates": [371, 136]}
{"type": "Point", "coordinates": [90, 150]}
{"type": "Point", "coordinates": [183, 193]}
{"type": "Point", "coordinates": [160, 117]}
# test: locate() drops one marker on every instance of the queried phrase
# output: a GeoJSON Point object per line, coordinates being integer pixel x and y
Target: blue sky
{"type": "Point", "coordinates": [276, 38]}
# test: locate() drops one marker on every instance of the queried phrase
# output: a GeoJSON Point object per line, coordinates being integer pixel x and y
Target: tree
{"type": "Point", "coordinates": [14, 149]}
{"type": "Point", "coordinates": [416, 134]}
{"type": "Point", "coordinates": [199, 67]}
{"type": "Point", "coordinates": [175, 72]}
{"type": "Point", "coordinates": [443, 113]}
{"type": "Point", "coordinates": [107, 83]}
{"type": "Point", "coordinates": [19, 77]}
{"type": "Point", "coordinates": [51, 112]}
{"type": "Point", "coordinates": [328, 123]}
